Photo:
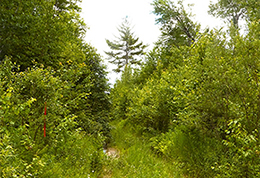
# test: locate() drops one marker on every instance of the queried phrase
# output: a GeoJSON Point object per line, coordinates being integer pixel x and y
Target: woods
{"type": "Point", "coordinates": [196, 101]}
{"type": "Point", "coordinates": [191, 108]}
{"type": "Point", "coordinates": [45, 60]}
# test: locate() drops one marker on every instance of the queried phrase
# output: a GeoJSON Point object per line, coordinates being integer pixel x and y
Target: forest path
{"type": "Point", "coordinates": [111, 152]}
{"type": "Point", "coordinates": [129, 155]}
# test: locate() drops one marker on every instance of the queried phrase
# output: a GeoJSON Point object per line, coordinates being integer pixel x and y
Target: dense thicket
{"type": "Point", "coordinates": [198, 101]}
{"type": "Point", "coordinates": [48, 32]}
{"type": "Point", "coordinates": [194, 102]}
{"type": "Point", "coordinates": [44, 60]}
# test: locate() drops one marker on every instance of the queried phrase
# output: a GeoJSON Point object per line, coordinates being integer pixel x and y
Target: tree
{"type": "Point", "coordinates": [121, 94]}
{"type": "Point", "coordinates": [253, 11]}
{"type": "Point", "coordinates": [176, 25]}
{"type": "Point", "coordinates": [88, 98]}
{"type": "Point", "coordinates": [126, 48]}
{"type": "Point", "coordinates": [47, 32]}
{"type": "Point", "coordinates": [232, 10]}
{"type": "Point", "coordinates": [235, 10]}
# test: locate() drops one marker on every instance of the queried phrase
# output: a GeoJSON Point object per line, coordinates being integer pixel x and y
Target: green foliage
{"type": "Point", "coordinates": [50, 64]}
{"type": "Point", "coordinates": [126, 49]}
{"type": "Point", "coordinates": [159, 59]}
{"type": "Point", "coordinates": [81, 156]}
{"type": "Point", "coordinates": [199, 104]}
{"type": "Point", "coordinates": [47, 32]}
{"type": "Point", "coordinates": [241, 158]}
{"type": "Point", "coordinates": [99, 91]}
{"type": "Point", "coordinates": [22, 118]}
{"type": "Point", "coordinates": [195, 152]}
{"type": "Point", "coordinates": [135, 156]}
{"type": "Point", "coordinates": [177, 28]}
{"type": "Point", "coordinates": [156, 105]}
{"type": "Point", "coordinates": [121, 95]}
{"type": "Point", "coordinates": [193, 105]}
{"type": "Point", "coordinates": [225, 76]}
{"type": "Point", "coordinates": [232, 10]}
{"type": "Point", "coordinates": [85, 95]}
{"type": "Point", "coordinates": [235, 10]}
{"type": "Point", "coordinates": [22, 98]}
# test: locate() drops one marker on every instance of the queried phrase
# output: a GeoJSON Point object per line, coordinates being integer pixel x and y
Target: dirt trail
{"type": "Point", "coordinates": [112, 152]}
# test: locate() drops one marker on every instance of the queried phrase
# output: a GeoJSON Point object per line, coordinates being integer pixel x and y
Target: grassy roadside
{"type": "Point", "coordinates": [136, 158]}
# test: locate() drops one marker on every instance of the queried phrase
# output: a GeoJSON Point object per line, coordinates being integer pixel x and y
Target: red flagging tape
{"type": "Point", "coordinates": [44, 128]}
{"type": "Point", "coordinates": [45, 112]}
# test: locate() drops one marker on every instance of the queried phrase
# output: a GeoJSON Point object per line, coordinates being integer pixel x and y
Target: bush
{"type": "Point", "coordinates": [24, 151]}
{"type": "Point", "coordinates": [194, 151]}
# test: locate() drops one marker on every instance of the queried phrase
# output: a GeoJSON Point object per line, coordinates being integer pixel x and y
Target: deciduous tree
{"type": "Point", "coordinates": [177, 27]}
{"type": "Point", "coordinates": [47, 32]}
{"type": "Point", "coordinates": [232, 10]}
{"type": "Point", "coordinates": [235, 10]}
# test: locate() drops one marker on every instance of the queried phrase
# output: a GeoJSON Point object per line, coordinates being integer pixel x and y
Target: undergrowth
{"type": "Point", "coordinates": [136, 158]}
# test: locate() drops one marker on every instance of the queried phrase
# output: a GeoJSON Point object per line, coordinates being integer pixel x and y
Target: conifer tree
{"type": "Point", "coordinates": [126, 49]}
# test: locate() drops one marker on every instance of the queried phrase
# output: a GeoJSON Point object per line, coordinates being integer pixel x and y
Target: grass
{"type": "Point", "coordinates": [136, 157]}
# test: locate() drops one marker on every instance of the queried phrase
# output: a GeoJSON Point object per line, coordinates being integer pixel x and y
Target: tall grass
{"type": "Point", "coordinates": [136, 157]}
{"type": "Point", "coordinates": [194, 151]}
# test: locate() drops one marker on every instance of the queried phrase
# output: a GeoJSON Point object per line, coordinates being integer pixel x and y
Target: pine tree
{"type": "Point", "coordinates": [126, 48]}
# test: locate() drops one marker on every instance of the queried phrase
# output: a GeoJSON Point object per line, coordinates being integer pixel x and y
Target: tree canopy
{"type": "Point", "coordinates": [192, 109]}
{"type": "Point", "coordinates": [53, 92]}
{"type": "Point", "coordinates": [177, 28]}
{"type": "Point", "coordinates": [235, 10]}
{"type": "Point", "coordinates": [47, 32]}
{"type": "Point", "coordinates": [232, 10]}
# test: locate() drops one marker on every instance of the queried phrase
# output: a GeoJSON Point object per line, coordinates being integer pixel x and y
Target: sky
{"type": "Point", "coordinates": [103, 17]}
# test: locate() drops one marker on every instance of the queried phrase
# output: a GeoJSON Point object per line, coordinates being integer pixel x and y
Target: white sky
{"type": "Point", "coordinates": [104, 16]}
